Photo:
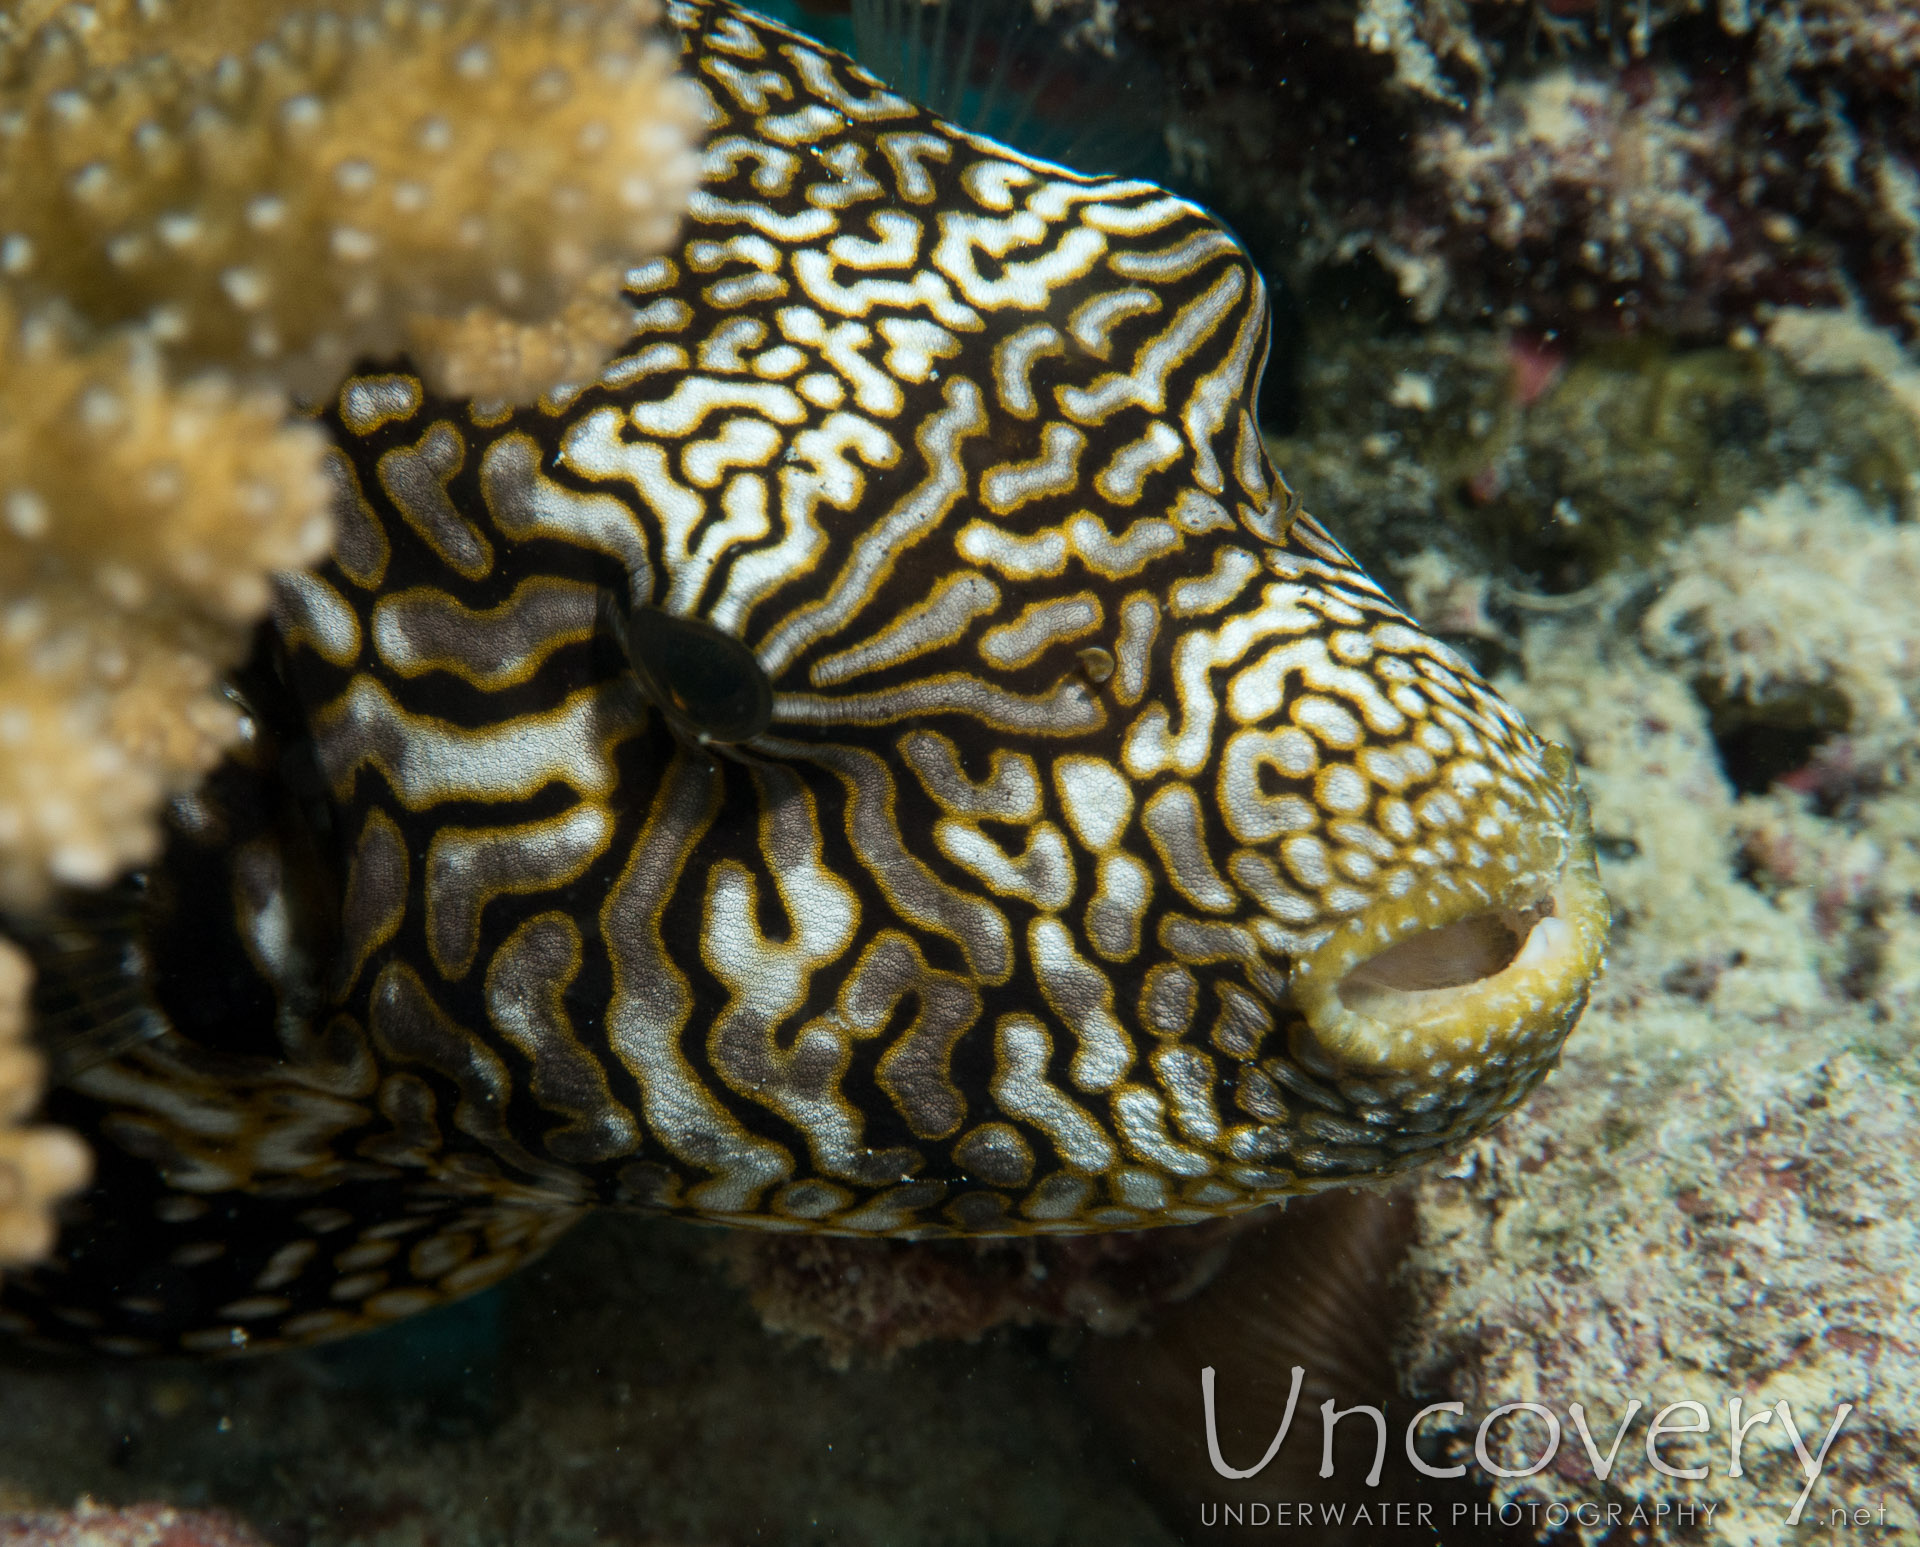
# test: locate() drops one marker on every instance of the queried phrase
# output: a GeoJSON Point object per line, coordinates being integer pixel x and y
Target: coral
{"type": "Point", "coordinates": [876, 1298]}
{"type": "Point", "coordinates": [1714, 1196]}
{"type": "Point", "coordinates": [300, 203]}
{"type": "Point", "coordinates": [1842, 343]}
{"type": "Point", "coordinates": [1619, 178]}
{"type": "Point", "coordinates": [181, 199]}
{"type": "Point", "coordinates": [483, 354]}
{"type": "Point", "coordinates": [38, 1166]}
{"type": "Point", "coordinates": [1882, 35]}
{"type": "Point", "coordinates": [1805, 593]}
{"type": "Point", "coordinates": [142, 1525]}
{"type": "Point", "coordinates": [1417, 37]}
{"type": "Point", "coordinates": [1586, 164]}
{"type": "Point", "coordinates": [139, 523]}
{"type": "Point", "coordinates": [200, 209]}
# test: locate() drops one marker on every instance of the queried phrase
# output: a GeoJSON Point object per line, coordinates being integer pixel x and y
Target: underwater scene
{"type": "Point", "coordinates": [959, 773]}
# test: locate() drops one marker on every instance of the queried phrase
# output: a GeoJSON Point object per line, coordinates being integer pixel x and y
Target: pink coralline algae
{"type": "Point", "coordinates": [873, 1299]}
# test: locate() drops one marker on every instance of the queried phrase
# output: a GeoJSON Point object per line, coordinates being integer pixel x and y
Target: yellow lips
{"type": "Point", "coordinates": [1455, 997]}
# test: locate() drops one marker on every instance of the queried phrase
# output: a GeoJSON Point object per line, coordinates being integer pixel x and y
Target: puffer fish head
{"type": "Point", "coordinates": [889, 757]}
{"type": "Point", "coordinates": [892, 755]}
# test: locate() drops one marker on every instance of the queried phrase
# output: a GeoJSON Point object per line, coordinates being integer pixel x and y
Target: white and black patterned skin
{"type": "Point", "coordinates": [1036, 893]}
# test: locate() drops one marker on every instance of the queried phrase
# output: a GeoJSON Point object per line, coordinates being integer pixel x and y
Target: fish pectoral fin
{"type": "Point", "coordinates": [143, 1269]}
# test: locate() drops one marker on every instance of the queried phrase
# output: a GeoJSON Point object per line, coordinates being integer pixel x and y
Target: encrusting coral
{"type": "Point", "coordinates": [1832, 648]}
{"type": "Point", "coordinates": [1826, 343]}
{"type": "Point", "coordinates": [201, 209]}
{"type": "Point", "coordinates": [1749, 611]}
{"type": "Point", "coordinates": [1622, 177]}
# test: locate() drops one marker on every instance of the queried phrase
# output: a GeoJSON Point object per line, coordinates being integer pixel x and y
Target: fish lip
{"type": "Point", "coordinates": [1432, 999]}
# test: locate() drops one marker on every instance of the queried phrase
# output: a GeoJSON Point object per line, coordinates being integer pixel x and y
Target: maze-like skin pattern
{"type": "Point", "coordinates": [1084, 740]}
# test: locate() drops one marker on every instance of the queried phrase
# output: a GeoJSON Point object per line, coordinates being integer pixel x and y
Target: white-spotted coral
{"type": "Point", "coordinates": [139, 522]}
{"type": "Point", "coordinates": [202, 209]}
{"type": "Point", "coordinates": [285, 205]}
{"type": "Point", "coordinates": [38, 1166]}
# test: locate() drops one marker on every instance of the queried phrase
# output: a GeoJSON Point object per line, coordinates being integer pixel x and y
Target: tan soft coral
{"type": "Point", "coordinates": [286, 206]}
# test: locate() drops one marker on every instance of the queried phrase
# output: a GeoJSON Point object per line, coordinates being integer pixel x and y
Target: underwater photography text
{"type": "Point", "coordinates": [1666, 1426]}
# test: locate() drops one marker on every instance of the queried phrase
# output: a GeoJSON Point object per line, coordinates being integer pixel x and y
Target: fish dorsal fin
{"type": "Point", "coordinates": [1062, 87]}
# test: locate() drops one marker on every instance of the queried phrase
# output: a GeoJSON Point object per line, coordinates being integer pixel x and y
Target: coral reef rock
{"type": "Point", "coordinates": [873, 1299]}
{"type": "Point", "coordinates": [1714, 1197]}
{"type": "Point", "coordinates": [1542, 465]}
{"type": "Point", "coordinates": [1679, 165]}
{"type": "Point", "coordinates": [143, 1525]}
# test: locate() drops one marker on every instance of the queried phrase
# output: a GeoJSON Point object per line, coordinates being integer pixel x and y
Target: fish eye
{"type": "Point", "coordinates": [704, 680]}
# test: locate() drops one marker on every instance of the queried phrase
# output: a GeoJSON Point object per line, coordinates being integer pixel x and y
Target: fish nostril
{"type": "Point", "coordinates": [1454, 955]}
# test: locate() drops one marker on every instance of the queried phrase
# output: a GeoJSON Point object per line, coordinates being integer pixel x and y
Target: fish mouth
{"type": "Point", "coordinates": [1395, 985]}
{"type": "Point", "coordinates": [1462, 994]}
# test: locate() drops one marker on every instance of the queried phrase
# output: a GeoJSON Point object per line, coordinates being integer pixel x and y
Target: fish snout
{"type": "Point", "coordinates": [1447, 1000]}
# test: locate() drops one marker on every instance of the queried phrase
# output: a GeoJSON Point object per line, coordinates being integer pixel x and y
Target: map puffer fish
{"type": "Point", "coordinates": [890, 757]}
